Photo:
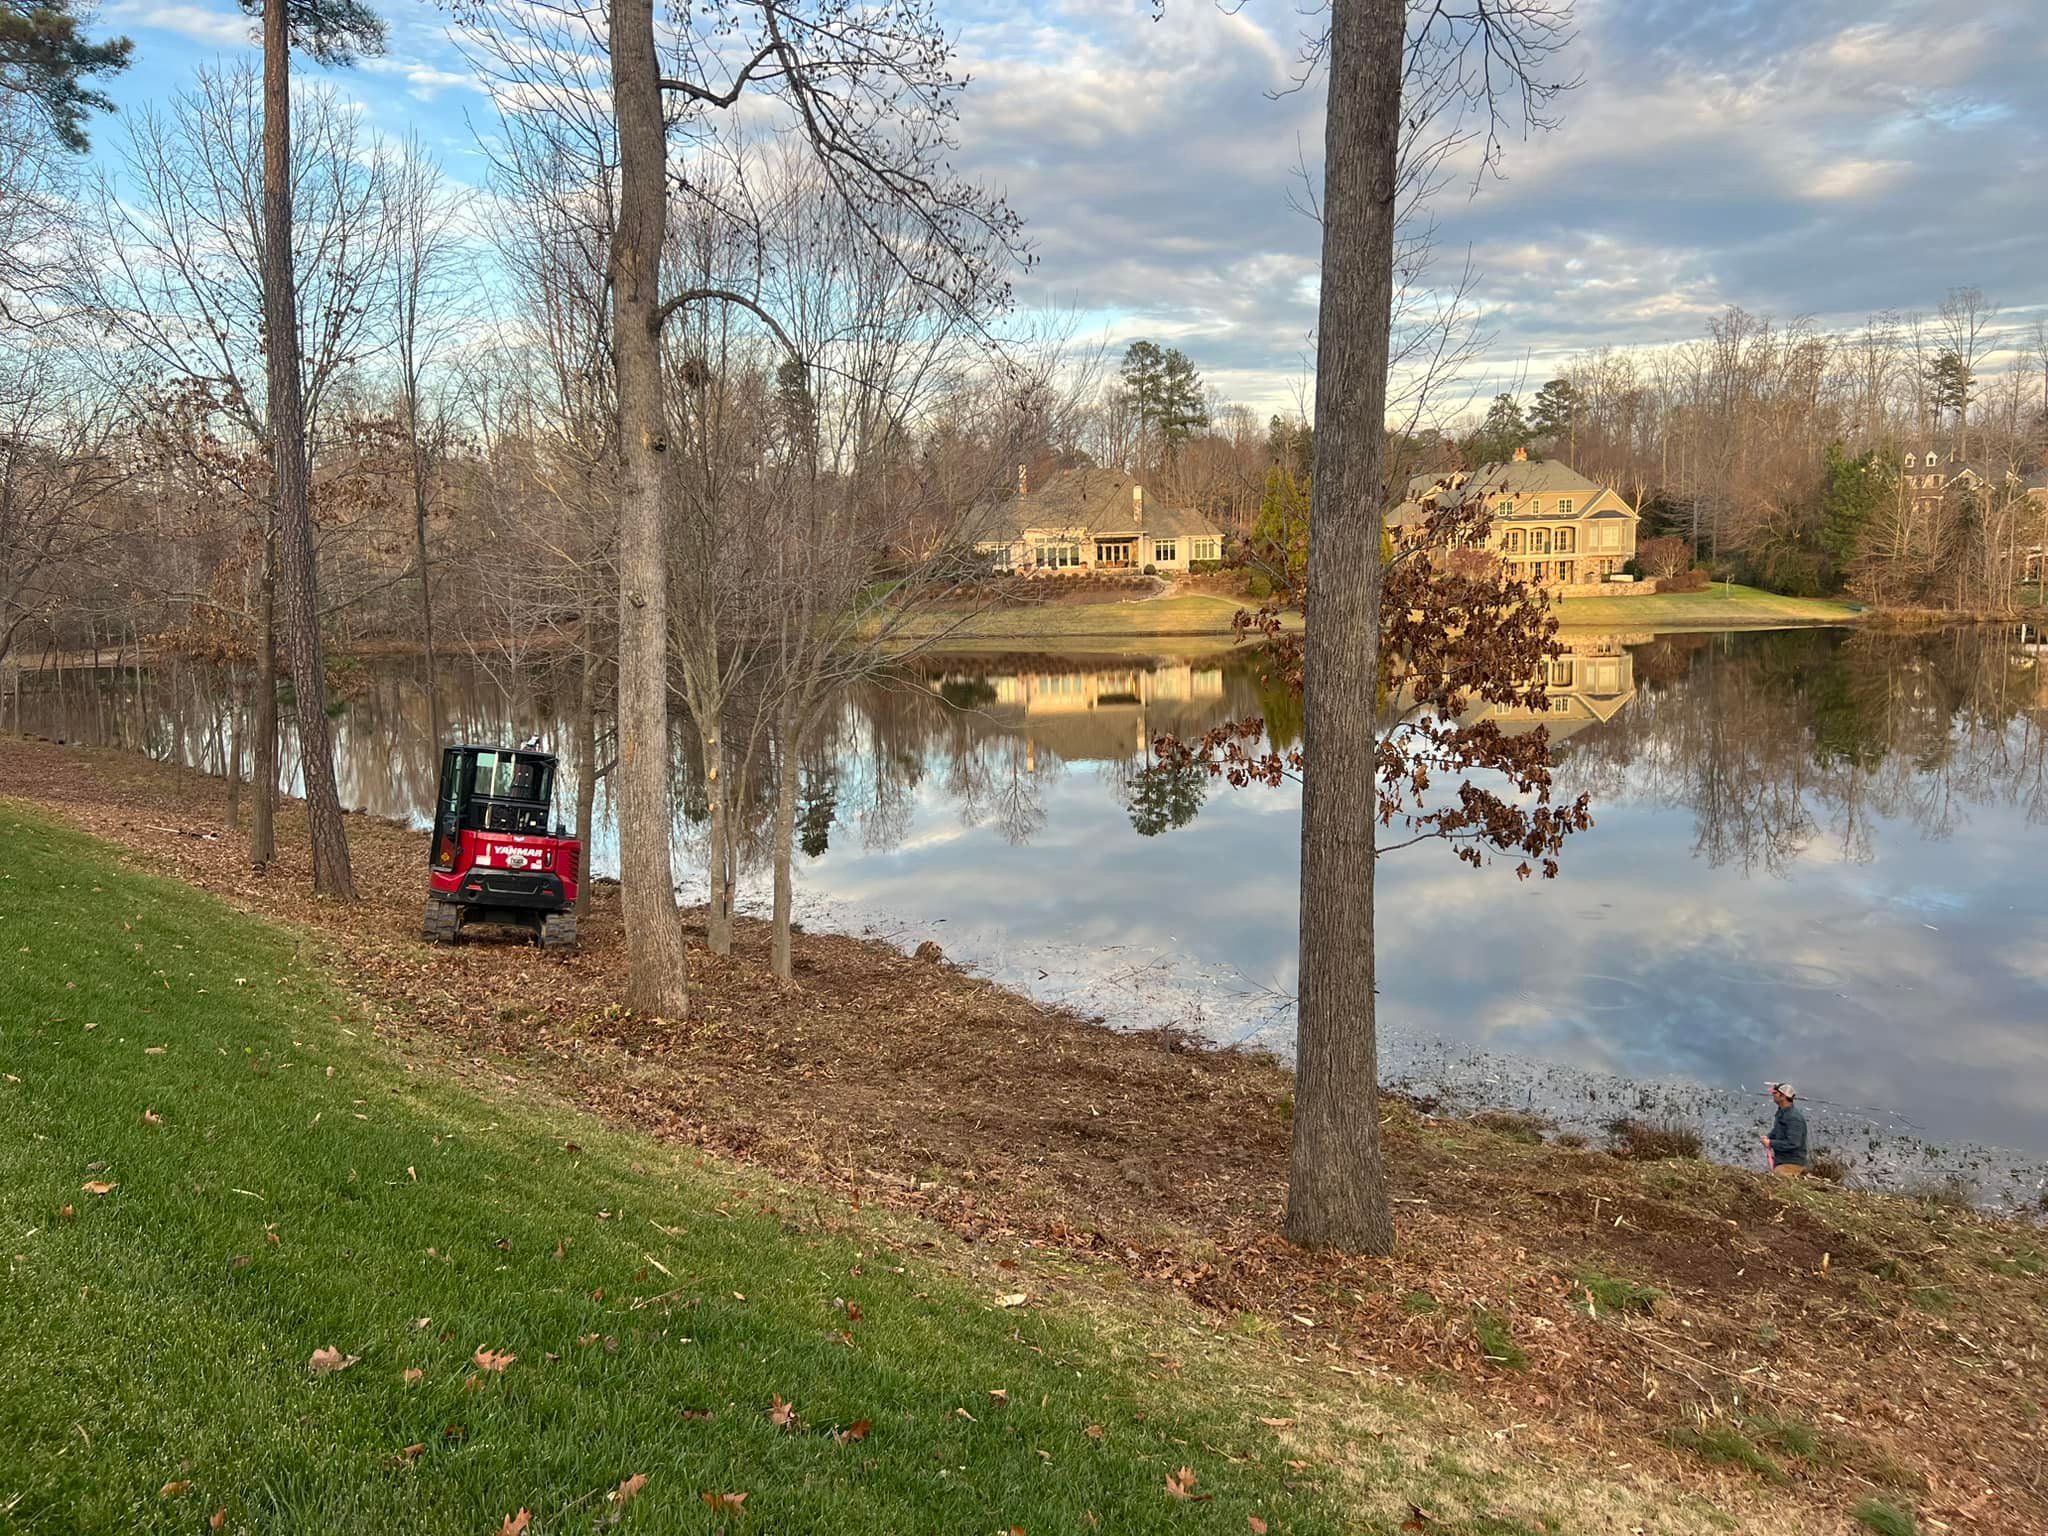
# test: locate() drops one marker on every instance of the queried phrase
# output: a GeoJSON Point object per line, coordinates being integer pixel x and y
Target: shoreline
{"type": "Point", "coordinates": [1157, 1166]}
{"type": "Point", "coordinates": [1216, 1008]}
{"type": "Point", "coordinates": [1160, 991]}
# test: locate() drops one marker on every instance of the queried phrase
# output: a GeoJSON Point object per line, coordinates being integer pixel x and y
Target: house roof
{"type": "Point", "coordinates": [1520, 477]}
{"type": "Point", "coordinates": [1091, 503]}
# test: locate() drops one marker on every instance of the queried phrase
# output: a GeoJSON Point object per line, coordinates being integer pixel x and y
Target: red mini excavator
{"type": "Point", "coordinates": [493, 859]}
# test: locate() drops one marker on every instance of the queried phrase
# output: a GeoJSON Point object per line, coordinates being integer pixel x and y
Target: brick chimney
{"type": "Point", "coordinates": [1521, 455]}
{"type": "Point", "coordinates": [1023, 480]}
{"type": "Point", "coordinates": [1137, 506]}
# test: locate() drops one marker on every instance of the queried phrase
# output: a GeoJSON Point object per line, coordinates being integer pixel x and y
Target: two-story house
{"type": "Point", "coordinates": [1091, 520]}
{"type": "Point", "coordinates": [1928, 477]}
{"type": "Point", "coordinates": [1548, 521]}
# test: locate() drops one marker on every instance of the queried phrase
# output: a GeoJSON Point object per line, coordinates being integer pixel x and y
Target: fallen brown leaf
{"type": "Point", "coordinates": [172, 1490]}
{"type": "Point", "coordinates": [151, 1117]}
{"type": "Point", "coordinates": [413, 1452]}
{"type": "Point", "coordinates": [853, 1313]}
{"type": "Point", "coordinates": [1181, 1485]}
{"type": "Point", "coordinates": [731, 1501]}
{"type": "Point", "coordinates": [515, 1525]}
{"type": "Point", "coordinates": [1013, 1299]}
{"type": "Point", "coordinates": [411, 1374]}
{"type": "Point", "coordinates": [1276, 1423]}
{"type": "Point", "coordinates": [1000, 1396]}
{"type": "Point", "coordinates": [66, 1212]}
{"type": "Point", "coordinates": [1419, 1519]}
{"type": "Point", "coordinates": [854, 1433]}
{"type": "Point", "coordinates": [1258, 1526]}
{"type": "Point", "coordinates": [99, 1187]}
{"type": "Point", "coordinates": [625, 1493]}
{"type": "Point", "coordinates": [490, 1360]}
{"type": "Point", "coordinates": [217, 1519]}
{"type": "Point", "coordinates": [783, 1415]}
{"type": "Point", "coordinates": [1093, 1431]}
{"type": "Point", "coordinates": [329, 1360]}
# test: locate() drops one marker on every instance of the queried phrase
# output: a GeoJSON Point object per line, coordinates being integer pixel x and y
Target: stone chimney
{"type": "Point", "coordinates": [1023, 480]}
{"type": "Point", "coordinates": [1137, 506]}
{"type": "Point", "coordinates": [1521, 455]}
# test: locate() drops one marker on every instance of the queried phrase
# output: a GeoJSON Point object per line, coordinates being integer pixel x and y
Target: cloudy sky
{"type": "Point", "coordinates": [1827, 158]}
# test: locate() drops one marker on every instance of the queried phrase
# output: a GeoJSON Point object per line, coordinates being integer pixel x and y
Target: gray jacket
{"type": "Point", "coordinates": [1788, 1136]}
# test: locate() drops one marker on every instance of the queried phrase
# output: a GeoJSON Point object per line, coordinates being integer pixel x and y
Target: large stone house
{"type": "Point", "coordinates": [1928, 477]}
{"type": "Point", "coordinates": [1086, 520]}
{"type": "Point", "coordinates": [1551, 523]}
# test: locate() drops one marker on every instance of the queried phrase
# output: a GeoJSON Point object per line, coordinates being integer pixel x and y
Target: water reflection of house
{"type": "Point", "coordinates": [1109, 715]}
{"type": "Point", "coordinates": [1588, 684]}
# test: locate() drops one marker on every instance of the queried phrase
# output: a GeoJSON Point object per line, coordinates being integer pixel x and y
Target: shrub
{"type": "Point", "coordinates": [1643, 1141]}
{"type": "Point", "coordinates": [1151, 569]}
{"type": "Point", "coordinates": [1496, 1343]}
{"type": "Point", "coordinates": [1664, 557]}
{"type": "Point", "coordinates": [1694, 580]}
{"type": "Point", "coordinates": [1204, 567]}
{"type": "Point", "coordinates": [1885, 1519]}
{"type": "Point", "coordinates": [1261, 585]}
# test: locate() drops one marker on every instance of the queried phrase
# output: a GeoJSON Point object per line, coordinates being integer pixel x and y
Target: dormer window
{"type": "Point", "coordinates": [1932, 460]}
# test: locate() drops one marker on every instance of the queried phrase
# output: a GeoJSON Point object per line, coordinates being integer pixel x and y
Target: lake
{"type": "Point", "coordinates": [1819, 855]}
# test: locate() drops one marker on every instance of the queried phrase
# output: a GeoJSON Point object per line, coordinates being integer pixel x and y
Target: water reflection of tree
{"type": "Point", "coordinates": [1775, 742]}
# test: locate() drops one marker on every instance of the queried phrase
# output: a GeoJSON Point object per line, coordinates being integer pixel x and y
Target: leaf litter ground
{"type": "Point", "coordinates": [1901, 1341]}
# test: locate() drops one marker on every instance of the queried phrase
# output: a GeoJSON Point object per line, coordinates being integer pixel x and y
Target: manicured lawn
{"type": "Point", "coordinates": [210, 1171]}
{"type": "Point", "coordinates": [1196, 613]}
{"type": "Point", "coordinates": [1719, 605]}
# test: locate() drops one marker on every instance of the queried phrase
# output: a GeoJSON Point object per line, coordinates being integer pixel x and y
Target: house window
{"type": "Point", "coordinates": [1165, 549]}
{"type": "Point", "coordinates": [1567, 571]}
{"type": "Point", "coordinates": [1930, 460]}
{"type": "Point", "coordinates": [1561, 672]}
{"type": "Point", "coordinates": [1208, 549]}
{"type": "Point", "coordinates": [1056, 555]}
{"type": "Point", "coordinates": [1514, 541]}
{"type": "Point", "coordinates": [1564, 506]}
{"type": "Point", "coordinates": [1113, 552]}
{"type": "Point", "coordinates": [1001, 557]}
{"type": "Point", "coordinates": [1503, 509]}
{"type": "Point", "coordinates": [1567, 538]}
{"type": "Point", "coordinates": [1539, 541]}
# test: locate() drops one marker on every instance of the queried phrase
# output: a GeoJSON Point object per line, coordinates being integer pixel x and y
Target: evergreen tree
{"type": "Point", "coordinates": [1503, 431]}
{"type": "Point", "coordinates": [1853, 491]}
{"type": "Point", "coordinates": [1949, 384]}
{"type": "Point", "coordinates": [1556, 411]}
{"type": "Point", "coordinates": [44, 58]}
{"type": "Point", "coordinates": [333, 32]}
{"type": "Point", "coordinates": [1280, 532]}
{"type": "Point", "coordinates": [1166, 392]}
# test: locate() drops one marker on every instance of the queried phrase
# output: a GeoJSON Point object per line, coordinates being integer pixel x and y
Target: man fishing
{"type": "Point", "coordinates": [1786, 1139]}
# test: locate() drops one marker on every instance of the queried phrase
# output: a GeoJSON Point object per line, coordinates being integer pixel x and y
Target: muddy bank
{"type": "Point", "coordinates": [1139, 988]}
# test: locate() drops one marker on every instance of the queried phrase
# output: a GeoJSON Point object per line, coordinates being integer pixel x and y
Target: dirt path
{"type": "Point", "coordinates": [1905, 1341]}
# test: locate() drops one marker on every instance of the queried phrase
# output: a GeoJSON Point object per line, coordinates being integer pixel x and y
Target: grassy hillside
{"type": "Point", "coordinates": [1721, 606]}
{"type": "Point", "coordinates": [260, 1268]}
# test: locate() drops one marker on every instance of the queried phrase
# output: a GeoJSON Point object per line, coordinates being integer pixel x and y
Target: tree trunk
{"type": "Point", "coordinates": [331, 873]}
{"type": "Point", "coordinates": [789, 768]}
{"type": "Point", "coordinates": [718, 918]}
{"type": "Point", "coordinates": [234, 692]}
{"type": "Point", "coordinates": [657, 964]}
{"type": "Point", "coordinates": [419, 535]}
{"type": "Point", "coordinates": [263, 773]}
{"type": "Point", "coordinates": [586, 772]}
{"type": "Point", "coordinates": [1336, 1182]}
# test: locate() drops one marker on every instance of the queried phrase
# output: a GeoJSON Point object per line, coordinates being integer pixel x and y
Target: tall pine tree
{"type": "Point", "coordinates": [331, 32]}
{"type": "Point", "coordinates": [45, 58]}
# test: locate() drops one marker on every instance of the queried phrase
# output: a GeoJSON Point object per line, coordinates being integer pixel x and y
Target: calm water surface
{"type": "Point", "coordinates": [1819, 855]}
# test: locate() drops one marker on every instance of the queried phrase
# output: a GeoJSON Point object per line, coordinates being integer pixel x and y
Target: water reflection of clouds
{"type": "Point", "coordinates": [1849, 896]}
